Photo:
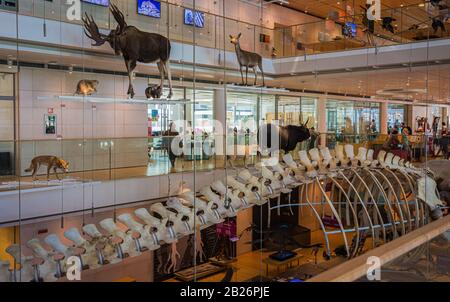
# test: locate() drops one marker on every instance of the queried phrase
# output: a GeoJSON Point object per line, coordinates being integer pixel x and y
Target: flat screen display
{"type": "Point", "coordinates": [150, 8]}
{"type": "Point", "coordinates": [97, 2]}
{"type": "Point", "coordinates": [349, 29]}
{"type": "Point", "coordinates": [191, 18]}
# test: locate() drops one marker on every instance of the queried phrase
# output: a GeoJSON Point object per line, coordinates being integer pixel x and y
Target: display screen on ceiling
{"type": "Point", "coordinates": [97, 2]}
{"type": "Point", "coordinates": [349, 29]}
{"type": "Point", "coordinates": [149, 8]}
{"type": "Point", "coordinates": [191, 18]}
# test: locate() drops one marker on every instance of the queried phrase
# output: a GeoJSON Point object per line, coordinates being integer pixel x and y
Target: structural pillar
{"type": "Point", "coordinates": [220, 121]}
{"type": "Point", "coordinates": [321, 111]}
{"type": "Point", "coordinates": [384, 118]}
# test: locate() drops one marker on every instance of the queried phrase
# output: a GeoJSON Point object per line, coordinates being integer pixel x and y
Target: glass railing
{"type": "Point", "coordinates": [343, 33]}
{"type": "Point", "coordinates": [214, 33]}
{"type": "Point", "coordinates": [120, 158]}
{"type": "Point", "coordinates": [423, 256]}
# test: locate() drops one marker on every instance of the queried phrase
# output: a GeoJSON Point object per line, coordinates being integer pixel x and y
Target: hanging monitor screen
{"type": "Point", "coordinates": [150, 8]}
{"type": "Point", "coordinates": [349, 29]}
{"type": "Point", "coordinates": [191, 18]}
{"type": "Point", "coordinates": [97, 2]}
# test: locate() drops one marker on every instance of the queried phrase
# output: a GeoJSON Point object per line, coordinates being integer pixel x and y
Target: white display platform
{"type": "Point", "coordinates": [103, 100]}
{"type": "Point", "coordinates": [41, 185]}
{"type": "Point", "coordinates": [244, 88]}
{"type": "Point", "coordinates": [75, 196]}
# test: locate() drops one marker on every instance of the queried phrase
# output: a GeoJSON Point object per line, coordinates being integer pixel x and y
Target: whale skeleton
{"type": "Point", "coordinates": [383, 197]}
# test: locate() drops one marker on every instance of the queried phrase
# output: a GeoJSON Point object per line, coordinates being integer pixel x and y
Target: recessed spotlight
{"type": "Point", "coordinates": [9, 62]}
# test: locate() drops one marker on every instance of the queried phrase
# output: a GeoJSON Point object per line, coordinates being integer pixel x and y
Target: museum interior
{"type": "Point", "coordinates": [224, 140]}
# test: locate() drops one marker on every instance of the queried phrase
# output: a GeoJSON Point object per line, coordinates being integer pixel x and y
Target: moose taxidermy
{"type": "Point", "coordinates": [86, 87]}
{"type": "Point", "coordinates": [134, 45]}
{"type": "Point", "coordinates": [248, 60]}
{"type": "Point", "coordinates": [52, 162]}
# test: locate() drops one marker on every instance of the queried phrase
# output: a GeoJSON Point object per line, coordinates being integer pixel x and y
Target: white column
{"type": "Point", "coordinates": [220, 116]}
{"type": "Point", "coordinates": [321, 106]}
{"type": "Point", "coordinates": [384, 118]}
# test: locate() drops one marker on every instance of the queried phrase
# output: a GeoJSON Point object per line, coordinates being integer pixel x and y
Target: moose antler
{"type": "Point", "coordinates": [120, 19]}
{"type": "Point", "coordinates": [91, 30]}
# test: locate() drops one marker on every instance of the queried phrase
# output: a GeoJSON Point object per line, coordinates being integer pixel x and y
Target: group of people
{"type": "Point", "coordinates": [393, 142]}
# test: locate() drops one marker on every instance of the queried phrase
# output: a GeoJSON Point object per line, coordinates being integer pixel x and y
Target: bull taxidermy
{"type": "Point", "coordinates": [134, 45]}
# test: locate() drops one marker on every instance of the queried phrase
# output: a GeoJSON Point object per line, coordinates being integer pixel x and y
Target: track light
{"type": "Point", "coordinates": [9, 61]}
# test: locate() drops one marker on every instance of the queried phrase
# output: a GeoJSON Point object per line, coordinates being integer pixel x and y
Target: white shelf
{"type": "Point", "coordinates": [104, 100]}
{"type": "Point", "coordinates": [13, 187]}
{"type": "Point", "coordinates": [255, 88]}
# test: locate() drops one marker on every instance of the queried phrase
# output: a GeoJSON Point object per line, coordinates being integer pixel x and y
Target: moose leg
{"type": "Point", "coordinates": [169, 77]}
{"type": "Point", "coordinates": [161, 73]}
{"type": "Point", "coordinates": [131, 65]}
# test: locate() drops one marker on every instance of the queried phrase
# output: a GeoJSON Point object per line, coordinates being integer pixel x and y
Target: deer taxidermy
{"type": "Point", "coordinates": [134, 45]}
{"type": "Point", "coordinates": [248, 60]}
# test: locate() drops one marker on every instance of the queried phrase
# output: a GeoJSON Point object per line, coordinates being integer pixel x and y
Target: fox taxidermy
{"type": "Point", "coordinates": [52, 162]}
{"type": "Point", "coordinates": [86, 87]}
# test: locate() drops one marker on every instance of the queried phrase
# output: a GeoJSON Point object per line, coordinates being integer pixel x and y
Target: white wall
{"type": "Point", "coordinates": [81, 127]}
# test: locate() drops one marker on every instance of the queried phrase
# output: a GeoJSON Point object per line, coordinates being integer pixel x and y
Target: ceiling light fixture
{"type": "Point", "coordinates": [9, 62]}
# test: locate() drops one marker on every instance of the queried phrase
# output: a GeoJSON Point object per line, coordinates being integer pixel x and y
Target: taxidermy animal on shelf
{"type": "Point", "coordinates": [248, 60]}
{"type": "Point", "coordinates": [134, 45]}
{"type": "Point", "coordinates": [153, 91]}
{"type": "Point", "coordinates": [52, 162]}
{"type": "Point", "coordinates": [387, 24]}
{"type": "Point", "coordinates": [289, 136]}
{"type": "Point", "coordinates": [436, 24]}
{"type": "Point", "coordinates": [86, 87]}
{"type": "Point", "coordinates": [435, 2]}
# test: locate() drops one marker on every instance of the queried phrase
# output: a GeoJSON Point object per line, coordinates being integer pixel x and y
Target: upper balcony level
{"type": "Point", "coordinates": [339, 26]}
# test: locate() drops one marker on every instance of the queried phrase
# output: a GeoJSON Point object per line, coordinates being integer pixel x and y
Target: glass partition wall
{"type": "Point", "coordinates": [352, 121]}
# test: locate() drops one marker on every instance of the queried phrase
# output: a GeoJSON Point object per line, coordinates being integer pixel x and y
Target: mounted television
{"type": "Point", "coordinates": [349, 29]}
{"type": "Point", "coordinates": [150, 8]}
{"type": "Point", "coordinates": [191, 18]}
{"type": "Point", "coordinates": [98, 2]}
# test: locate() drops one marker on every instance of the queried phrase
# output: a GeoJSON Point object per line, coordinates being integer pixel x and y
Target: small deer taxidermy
{"type": "Point", "coordinates": [248, 60]}
{"type": "Point", "coordinates": [134, 45]}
